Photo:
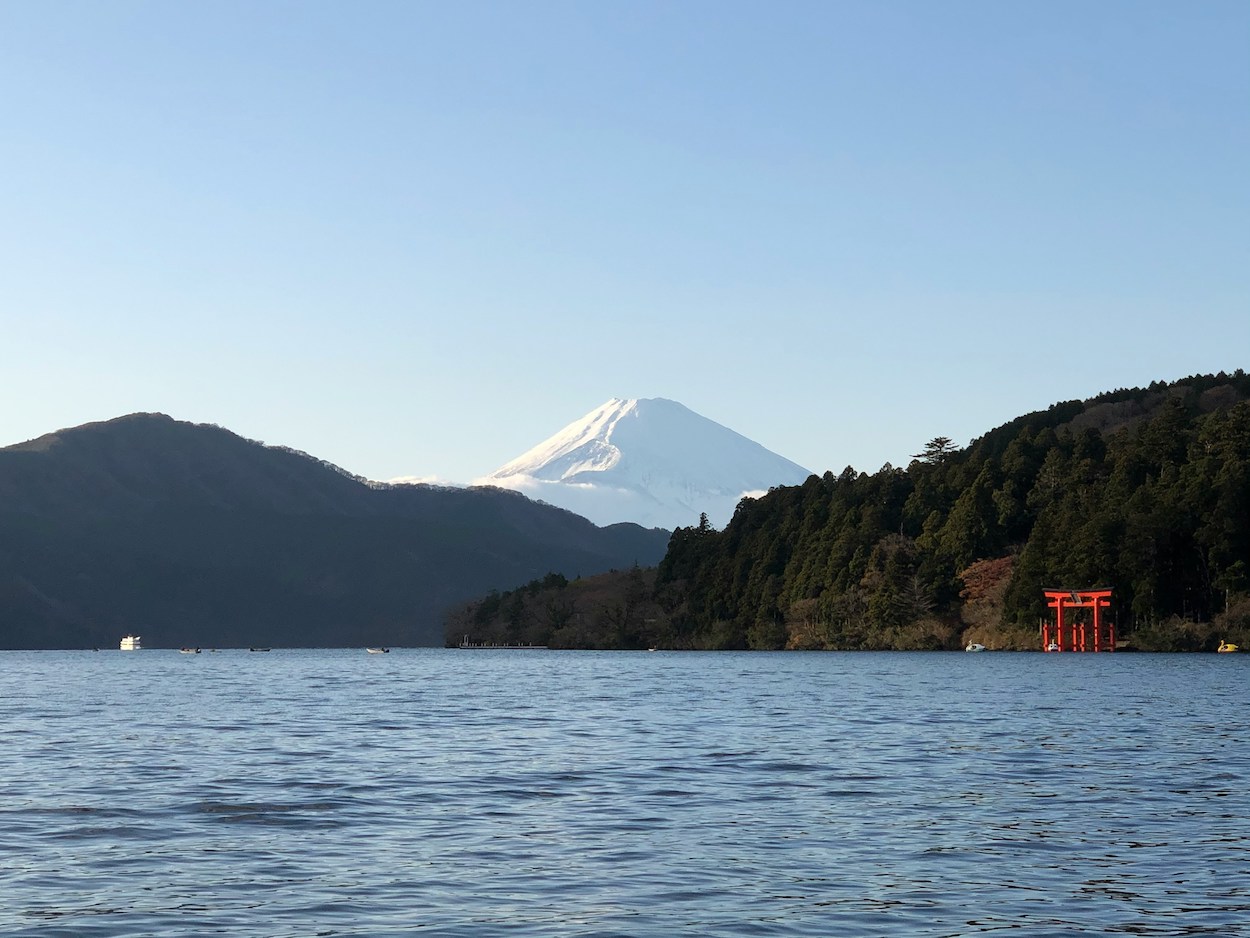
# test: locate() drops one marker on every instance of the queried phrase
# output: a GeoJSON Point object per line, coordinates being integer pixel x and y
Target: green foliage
{"type": "Point", "coordinates": [617, 609]}
{"type": "Point", "coordinates": [1144, 491]}
{"type": "Point", "coordinates": [937, 450]}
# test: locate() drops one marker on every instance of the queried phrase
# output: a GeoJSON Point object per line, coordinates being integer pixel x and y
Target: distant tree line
{"type": "Point", "coordinates": [1145, 491]}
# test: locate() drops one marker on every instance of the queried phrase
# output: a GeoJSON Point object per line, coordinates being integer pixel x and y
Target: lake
{"type": "Point", "coordinates": [541, 793]}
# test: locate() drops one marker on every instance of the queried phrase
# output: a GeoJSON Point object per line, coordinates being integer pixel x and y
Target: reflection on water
{"type": "Point", "coordinates": [614, 794]}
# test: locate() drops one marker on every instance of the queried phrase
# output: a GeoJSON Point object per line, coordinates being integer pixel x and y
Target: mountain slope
{"type": "Point", "coordinates": [650, 461]}
{"type": "Point", "coordinates": [192, 535]}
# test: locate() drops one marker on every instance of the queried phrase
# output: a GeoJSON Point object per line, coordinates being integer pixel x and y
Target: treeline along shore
{"type": "Point", "coordinates": [1145, 491]}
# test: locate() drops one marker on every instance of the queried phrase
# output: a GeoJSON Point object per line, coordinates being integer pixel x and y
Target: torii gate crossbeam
{"type": "Point", "coordinates": [1076, 638]}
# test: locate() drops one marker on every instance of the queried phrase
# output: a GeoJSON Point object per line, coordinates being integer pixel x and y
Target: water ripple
{"type": "Point", "coordinates": [583, 794]}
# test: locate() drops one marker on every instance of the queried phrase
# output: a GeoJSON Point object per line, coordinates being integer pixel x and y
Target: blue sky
{"type": "Point", "coordinates": [418, 238]}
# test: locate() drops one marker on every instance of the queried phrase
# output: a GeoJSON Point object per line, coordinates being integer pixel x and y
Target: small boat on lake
{"type": "Point", "coordinates": [1226, 647]}
{"type": "Point", "coordinates": [188, 651]}
{"type": "Point", "coordinates": [975, 646]}
{"type": "Point", "coordinates": [378, 651]}
{"type": "Point", "coordinates": [131, 643]}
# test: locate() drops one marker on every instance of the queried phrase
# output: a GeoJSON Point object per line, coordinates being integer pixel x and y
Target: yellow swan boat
{"type": "Point", "coordinates": [1227, 647]}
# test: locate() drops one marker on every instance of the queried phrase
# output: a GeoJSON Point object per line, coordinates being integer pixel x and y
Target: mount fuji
{"type": "Point", "coordinates": [651, 461]}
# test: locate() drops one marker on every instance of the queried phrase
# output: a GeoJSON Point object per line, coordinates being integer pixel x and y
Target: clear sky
{"type": "Point", "coordinates": [416, 238]}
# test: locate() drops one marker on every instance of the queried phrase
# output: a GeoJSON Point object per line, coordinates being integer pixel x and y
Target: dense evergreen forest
{"type": "Point", "coordinates": [1145, 491]}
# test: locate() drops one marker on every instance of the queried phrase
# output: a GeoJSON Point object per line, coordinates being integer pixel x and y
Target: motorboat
{"type": "Point", "coordinates": [131, 643]}
{"type": "Point", "coordinates": [188, 651]}
{"type": "Point", "coordinates": [975, 646]}
{"type": "Point", "coordinates": [378, 651]}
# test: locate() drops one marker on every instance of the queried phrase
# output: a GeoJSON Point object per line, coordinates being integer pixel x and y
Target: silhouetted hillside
{"type": "Point", "coordinates": [1113, 411]}
{"type": "Point", "coordinates": [192, 535]}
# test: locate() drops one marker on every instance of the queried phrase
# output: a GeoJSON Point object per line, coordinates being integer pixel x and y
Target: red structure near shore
{"type": "Point", "coordinates": [1077, 632]}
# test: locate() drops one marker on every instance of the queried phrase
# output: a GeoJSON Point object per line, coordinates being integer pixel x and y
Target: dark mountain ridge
{"type": "Point", "coordinates": [1121, 409]}
{"type": "Point", "coordinates": [117, 466]}
{"type": "Point", "coordinates": [192, 535]}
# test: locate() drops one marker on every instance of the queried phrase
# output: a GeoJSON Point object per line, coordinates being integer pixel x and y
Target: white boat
{"type": "Point", "coordinates": [131, 643]}
{"type": "Point", "coordinates": [378, 651]}
{"type": "Point", "coordinates": [975, 646]}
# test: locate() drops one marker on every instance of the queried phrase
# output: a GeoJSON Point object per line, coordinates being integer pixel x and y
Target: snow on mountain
{"type": "Point", "coordinates": [651, 461]}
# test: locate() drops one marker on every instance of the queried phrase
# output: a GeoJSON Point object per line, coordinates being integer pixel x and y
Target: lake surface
{"type": "Point", "coordinates": [455, 793]}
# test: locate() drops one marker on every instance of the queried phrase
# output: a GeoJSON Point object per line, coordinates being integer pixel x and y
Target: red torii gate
{"type": "Point", "coordinates": [1095, 599]}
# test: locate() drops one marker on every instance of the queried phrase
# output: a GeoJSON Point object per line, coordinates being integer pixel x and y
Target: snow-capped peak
{"type": "Point", "coordinates": [649, 460]}
{"type": "Point", "coordinates": [585, 445]}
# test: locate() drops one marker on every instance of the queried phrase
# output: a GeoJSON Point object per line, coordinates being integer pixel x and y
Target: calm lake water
{"type": "Point", "coordinates": [454, 793]}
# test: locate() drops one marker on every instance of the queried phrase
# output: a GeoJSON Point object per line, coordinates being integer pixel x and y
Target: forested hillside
{"type": "Point", "coordinates": [1145, 491]}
